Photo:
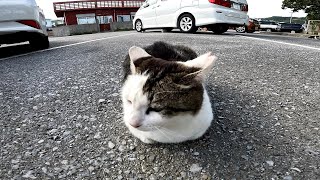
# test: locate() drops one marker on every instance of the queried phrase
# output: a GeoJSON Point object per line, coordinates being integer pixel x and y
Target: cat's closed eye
{"type": "Point", "coordinates": [130, 102]}
{"type": "Point", "coordinates": [150, 109]}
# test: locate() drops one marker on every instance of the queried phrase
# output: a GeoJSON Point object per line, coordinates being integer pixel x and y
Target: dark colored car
{"type": "Point", "coordinates": [288, 27]}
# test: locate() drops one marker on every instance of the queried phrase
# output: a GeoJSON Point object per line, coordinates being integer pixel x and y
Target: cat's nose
{"type": "Point", "coordinates": [135, 124]}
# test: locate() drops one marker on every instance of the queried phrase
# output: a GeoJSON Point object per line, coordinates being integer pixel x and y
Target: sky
{"type": "Point", "coordinates": [257, 8]}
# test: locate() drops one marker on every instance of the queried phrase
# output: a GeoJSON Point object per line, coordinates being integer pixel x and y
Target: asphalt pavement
{"type": "Point", "coordinates": [61, 113]}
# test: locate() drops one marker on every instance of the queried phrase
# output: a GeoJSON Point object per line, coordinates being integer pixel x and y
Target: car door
{"type": "Point", "coordinates": [147, 14]}
{"type": "Point", "coordinates": [165, 11]}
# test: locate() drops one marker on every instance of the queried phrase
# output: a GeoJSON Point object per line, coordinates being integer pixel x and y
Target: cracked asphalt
{"type": "Point", "coordinates": [61, 114]}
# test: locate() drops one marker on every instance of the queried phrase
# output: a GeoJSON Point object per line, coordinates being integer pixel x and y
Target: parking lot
{"type": "Point", "coordinates": [61, 110]}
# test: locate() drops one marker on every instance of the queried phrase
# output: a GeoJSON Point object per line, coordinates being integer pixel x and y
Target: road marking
{"type": "Point", "coordinates": [64, 46]}
{"type": "Point", "coordinates": [280, 42]}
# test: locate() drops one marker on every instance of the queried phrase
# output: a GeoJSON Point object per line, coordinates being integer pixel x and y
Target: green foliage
{"type": "Point", "coordinates": [298, 20]}
{"type": "Point", "coordinates": [311, 7]}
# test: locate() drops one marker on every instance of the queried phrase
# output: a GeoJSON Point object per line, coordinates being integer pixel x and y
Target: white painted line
{"type": "Point", "coordinates": [280, 42]}
{"type": "Point", "coordinates": [64, 46]}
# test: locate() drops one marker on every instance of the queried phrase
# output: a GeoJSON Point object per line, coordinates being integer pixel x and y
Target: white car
{"type": "Point", "coordinates": [49, 24]}
{"type": "Point", "coordinates": [22, 20]}
{"type": "Point", "coordinates": [268, 26]}
{"type": "Point", "coordinates": [188, 15]}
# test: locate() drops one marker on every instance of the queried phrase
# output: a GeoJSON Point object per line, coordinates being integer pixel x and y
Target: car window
{"type": "Point", "coordinates": [151, 2]}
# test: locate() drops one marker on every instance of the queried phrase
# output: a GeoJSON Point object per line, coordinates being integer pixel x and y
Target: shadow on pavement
{"type": "Point", "coordinates": [198, 32]}
{"type": "Point", "coordinates": [14, 50]}
{"type": "Point", "coordinates": [234, 142]}
{"type": "Point", "coordinates": [24, 48]}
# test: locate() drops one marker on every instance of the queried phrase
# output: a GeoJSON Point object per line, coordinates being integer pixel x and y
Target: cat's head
{"type": "Point", "coordinates": [158, 92]}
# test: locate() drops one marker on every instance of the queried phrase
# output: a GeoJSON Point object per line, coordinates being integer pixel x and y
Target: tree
{"type": "Point", "coordinates": [311, 7]}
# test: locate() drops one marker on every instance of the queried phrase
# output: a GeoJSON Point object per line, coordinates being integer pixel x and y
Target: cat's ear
{"type": "Point", "coordinates": [136, 53]}
{"type": "Point", "coordinates": [205, 62]}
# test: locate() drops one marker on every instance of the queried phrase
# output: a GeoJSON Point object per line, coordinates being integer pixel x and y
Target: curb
{"type": "Point", "coordinates": [302, 35]}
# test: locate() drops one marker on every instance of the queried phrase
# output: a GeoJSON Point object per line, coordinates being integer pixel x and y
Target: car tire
{"type": "Point", "coordinates": [187, 23]}
{"type": "Point", "coordinates": [138, 26]}
{"type": "Point", "coordinates": [269, 30]}
{"type": "Point", "coordinates": [41, 42]}
{"type": "Point", "coordinates": [241, 29]}
{"type": "Point", "coordinates": [220, 29]}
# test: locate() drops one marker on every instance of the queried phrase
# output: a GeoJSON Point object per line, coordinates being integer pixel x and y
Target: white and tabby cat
{"type": "Point", "coordinates": [164, 97]}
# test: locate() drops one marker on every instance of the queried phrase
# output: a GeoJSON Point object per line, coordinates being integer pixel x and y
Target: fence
{"type": "Point", "coordinates": [313, 27]}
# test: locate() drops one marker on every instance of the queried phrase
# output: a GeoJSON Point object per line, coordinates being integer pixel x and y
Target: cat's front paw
{"type": "Point", "coordinates": [147, 140]}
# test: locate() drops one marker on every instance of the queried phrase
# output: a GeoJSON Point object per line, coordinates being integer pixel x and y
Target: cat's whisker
{"type": "Point", "coordinates": [163, 133]}
{"type": "Point", "coordinates": [174, 133]}
{"type": "Point", "coordinates": [168, 131]}
{"type": "Point", "coordinates": [120, 121]}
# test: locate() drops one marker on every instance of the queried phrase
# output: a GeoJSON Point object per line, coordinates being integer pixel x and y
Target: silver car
{"type": "Point", "coordinates": [22, 20]}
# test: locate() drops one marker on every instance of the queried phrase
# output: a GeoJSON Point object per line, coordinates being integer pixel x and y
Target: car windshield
{"type": "Point", "coordinates": [267, 22]}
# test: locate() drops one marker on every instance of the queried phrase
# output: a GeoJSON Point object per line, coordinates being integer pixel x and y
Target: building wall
{"type": "Point", "coordinates": [71, 18]}
{"type": "Point", "coordinates": [118, 26]}
{"type": "Point", "coordinates": [75, 29]}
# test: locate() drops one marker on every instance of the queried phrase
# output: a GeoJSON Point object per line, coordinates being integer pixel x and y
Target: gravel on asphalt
{"type": "Point", "coordinates": [61, 113]}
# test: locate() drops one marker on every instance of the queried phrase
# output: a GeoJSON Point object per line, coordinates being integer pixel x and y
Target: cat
{"type": "Point", "coordinates": [163, 94]}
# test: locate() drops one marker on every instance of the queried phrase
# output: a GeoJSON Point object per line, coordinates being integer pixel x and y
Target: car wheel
{"type": "Point", "coordinates": [138, 26]}
{"type": "Point", "coordinates": [269, 30]}
{"type": "Point", "coordinates": [241, 29]}
{"type": "Point", "coordinates": [187, 23]}
{"type": "Point", "coordinates": [220, 29]}
{"type": "Point", "coordinates": [41, 42]}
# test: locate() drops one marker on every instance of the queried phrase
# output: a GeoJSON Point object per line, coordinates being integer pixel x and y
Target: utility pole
{"type": "Point", "coordinates": [95, 16]}
{"type": "Point", "coordinates": [291, 17]}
